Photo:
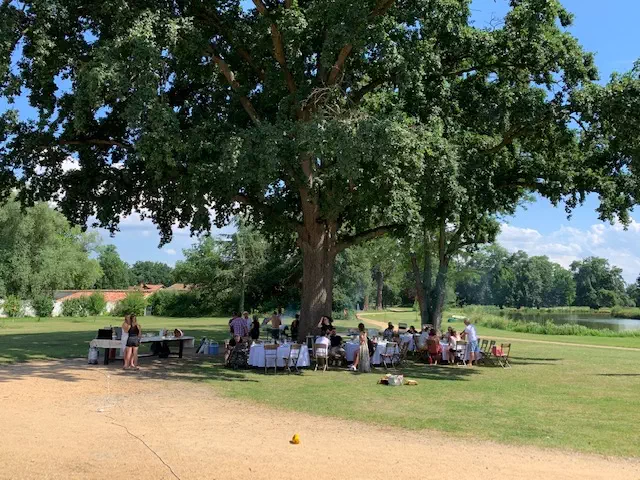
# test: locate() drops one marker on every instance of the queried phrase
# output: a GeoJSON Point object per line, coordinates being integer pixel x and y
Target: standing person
{"type": "Point", "coordinates": [471, 336]}
{"type": "Point", "coordinates": [275, 325]}
{"type": "Point", "coordinates": [247, 320]}
{"type": "Point", "coordinates": [126, 325]}
{"type": "Point", "coordinates": [362, 362]}
{"type": "Point", "coordinates": [326, 324]}
{"type": "Point", "coordinates": [453, 346]}
{"type": "Point", "coordinates": [295, 326]}
{"type": "Point", "coordinates": [239, 327]}
{"type": "Point", "coordinates": [133, 342]}
{"type": "Point", "coordinates": [234, 315]}
{"type": "Point", "coordinates": [254, 333]}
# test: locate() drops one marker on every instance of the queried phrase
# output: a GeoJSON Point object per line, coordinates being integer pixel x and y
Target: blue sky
{"type": "Point", "coordinates": [609, 29]}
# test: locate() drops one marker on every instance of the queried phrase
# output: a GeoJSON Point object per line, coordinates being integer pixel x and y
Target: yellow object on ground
{"type": "Point", "coordinates": [296, 439]}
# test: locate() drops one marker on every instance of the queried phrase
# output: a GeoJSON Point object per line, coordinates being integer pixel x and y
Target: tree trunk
{"type": "Point", "coordinates": [421, 293]}
{"type": "Point", "coordinates": [438, 296]}
{"type": "Point", "coordinates": [242, 289]}
{"type": "Point", "coordinates": [365, 305]}
{"type": "Point", "coordinates": [318, 243]}
{"type": "Point", "coordinates": [379, 286]}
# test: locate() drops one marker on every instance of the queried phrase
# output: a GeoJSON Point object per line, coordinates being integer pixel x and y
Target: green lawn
{"type": "Point", "coordinates": [571, 397]}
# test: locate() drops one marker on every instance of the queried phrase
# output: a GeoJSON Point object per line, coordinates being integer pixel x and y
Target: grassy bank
{"type": "Point", "coordinates": [616, 312]}
{"type": "Point", "coordinates": [548, 327]}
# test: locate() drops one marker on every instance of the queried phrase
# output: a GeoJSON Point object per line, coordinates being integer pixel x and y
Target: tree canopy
{"type": "Point", "coordinates": [40, 252]}
{"type": "Point", "coordinates": [156, 273]}
{"type": "Point", "coordinates": [337, 121]}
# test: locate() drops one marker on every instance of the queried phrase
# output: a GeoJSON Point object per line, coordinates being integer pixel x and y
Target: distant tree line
{"type": "Point", "coordinates": [493, 276]}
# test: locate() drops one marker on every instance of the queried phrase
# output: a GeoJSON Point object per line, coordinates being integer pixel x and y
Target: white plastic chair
{"type": "Point", "coordinates": [292, 358]}
{"type": "Point", "coordinates": [271, 355]}
{"type": "Point", "coordinates": [321, 352]}
{"type": "Point", "coordinates": [390, 354]}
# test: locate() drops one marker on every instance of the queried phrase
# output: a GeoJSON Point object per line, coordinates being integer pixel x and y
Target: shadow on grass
{"type": "Point", "coordinates": [21, 347]}
{"type": "Point", "coordinates": [190, 367]}
{"type": "Point", "coordinates": [617, 374]}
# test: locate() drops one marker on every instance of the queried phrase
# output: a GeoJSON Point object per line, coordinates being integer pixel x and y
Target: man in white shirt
{"type": "Point", "coordinates": [471, 336]}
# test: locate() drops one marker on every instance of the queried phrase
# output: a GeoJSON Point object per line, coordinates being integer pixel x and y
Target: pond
{"type": "Point", "coordinates": [591, 320]}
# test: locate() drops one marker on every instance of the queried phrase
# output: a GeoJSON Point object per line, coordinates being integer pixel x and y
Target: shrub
{"type": "Point", "coordinates": [42, 305]}
{"type": "Point", "coordinates": [96, 304]}
{"type": "Point", "coordinates": [181, 304]}
{"type": "Point", "coordinates": [133, 304]}
{"type": "Point", "coordinates": [76, 307]}
{"type": "Point", "coordinates": [12, 306]}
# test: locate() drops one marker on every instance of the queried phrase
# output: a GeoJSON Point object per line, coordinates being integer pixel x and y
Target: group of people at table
{"type": "Point", "coordinates": [362, 349]}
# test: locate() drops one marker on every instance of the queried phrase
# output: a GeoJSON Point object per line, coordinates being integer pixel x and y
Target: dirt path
{"type": "Point", "coordinates": [383, 325]}
{"type": "Point", "coordinates": [66, 420]}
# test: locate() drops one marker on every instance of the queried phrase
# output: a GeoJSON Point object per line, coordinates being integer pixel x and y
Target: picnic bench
{"type": "Point", "coordinates": [109, 345]}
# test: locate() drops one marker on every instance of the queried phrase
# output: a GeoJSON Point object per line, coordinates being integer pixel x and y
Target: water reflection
{"type": "Point", "coordinates": [591, 320]}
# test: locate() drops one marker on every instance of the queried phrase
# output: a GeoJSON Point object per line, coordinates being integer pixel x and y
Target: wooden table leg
{"type": "Point", "coordinates": [180, 348]}
{"type": "Point", "coordinates": [107, 353]}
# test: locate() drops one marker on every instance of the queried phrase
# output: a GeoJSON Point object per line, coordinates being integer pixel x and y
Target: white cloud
{"type": "Point", "coordinates": [567, 244]}
{"type": "Point", "coordinates": [170, 251]}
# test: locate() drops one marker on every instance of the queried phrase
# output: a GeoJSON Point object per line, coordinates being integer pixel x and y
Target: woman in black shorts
{"type": "Point", "coordinates": [133, 342]}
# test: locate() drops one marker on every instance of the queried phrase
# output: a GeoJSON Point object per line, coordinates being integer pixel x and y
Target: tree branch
{"type": "Point", "coordinates": [213, 19]}
{"type": "Point", "coordinates": [278, 46]}
{"type": "Point", "coordinates": [97, 141]}
{"type": "Point", "coordinates": [365, 236]}
{"type": "Point", "coordinates": [507, 139]}
{"type": "Point", "coordinates": [229, 75]}
{"type": "Point", "coordinates": [267, 210]}
{"type": "Point", "coordinates": [380, 9]}
{"type": "Point", "coordinates": [358, 95]}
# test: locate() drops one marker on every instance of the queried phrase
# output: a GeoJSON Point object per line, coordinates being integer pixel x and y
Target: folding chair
{"type": "Point", "coordinates": [483, 347]}
{"type": "Point", "coordinates": [503, 355]}
{"type": "Point", "coordinates": [390, 354]}
{"type": "Point", "coordinates": [404, 349]}
{"type": "Point", "coordinates": [489, 358]}
{"type": "Point", "coordinates": [321, 352]}
{"type": "Point", "coordinates": [416, 342]}
{"type": "Point", "coordinates": [271, 354]}
{"type": "Point", "coordinates": [292, 358]}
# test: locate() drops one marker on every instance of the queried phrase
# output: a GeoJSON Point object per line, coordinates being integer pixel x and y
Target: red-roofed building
{"type": "Point", "coordinates": [112, 297]}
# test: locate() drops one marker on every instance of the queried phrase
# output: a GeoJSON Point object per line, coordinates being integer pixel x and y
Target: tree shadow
{"type": "Point", "coordinates": [22, 347]}
{"type": "Point", "coordinates": [617, 374]}
{"type": "Point", "coordinates": [417, 370]}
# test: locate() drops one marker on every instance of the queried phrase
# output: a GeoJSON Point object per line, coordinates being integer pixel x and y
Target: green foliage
{"type": "Point", "coordinates": [155, 273]}
{"type": "Point", "coordinates": [598, 284]}
{"type": "Point", "coordinates": [549, 328]}
{"type": "Point", "coordinates": [133, 304]}
{"type": "Point", "coordinates": [12, 306]}
{"type": "Point", "coordinates": [96, 304]}
{"type": "Point", "coordinates": [181, 304]}
{"type": "Point", "coordinates": [40, 252]}
{"type": "Point", "coordinates": [42, 305]}
{"type": "Point", "coordinates": [75, 307]}
{"type": "Point", "coordinates": [116, 273]}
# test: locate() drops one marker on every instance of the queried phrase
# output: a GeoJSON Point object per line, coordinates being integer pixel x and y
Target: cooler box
{"type": "Point", "coordinates": [213, 349]}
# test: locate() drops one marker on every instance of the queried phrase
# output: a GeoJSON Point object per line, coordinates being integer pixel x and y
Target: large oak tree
{"type": "Point", "coordinates": [311, 116]}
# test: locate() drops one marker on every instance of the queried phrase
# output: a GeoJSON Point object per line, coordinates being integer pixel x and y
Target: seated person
{"type": "Point", "coordinates": [336, 351]}
{"type": "Point", "coordinates": [388, 332]}
{"type": "Point", "coordinates": [324, 340]}
{"type": "Point", "coordinates": [412, 330]}
{"type": "Point", "coordinates": [326, 324]}
{"type": "Point", "coordinates": [177, 333]}
{"type": "Point", "coordinates": [422, 340]}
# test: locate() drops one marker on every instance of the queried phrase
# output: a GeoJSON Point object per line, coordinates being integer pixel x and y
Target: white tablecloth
{"type": "Point", "coordinates": [256, 355]}
{"type": "Point", "coordinates": [380, 348]}
{"type": "Point", "coordinates": [350, 349]}
{"type": "Point", "coordinates": [408, 338]}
